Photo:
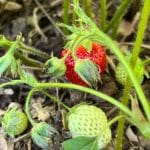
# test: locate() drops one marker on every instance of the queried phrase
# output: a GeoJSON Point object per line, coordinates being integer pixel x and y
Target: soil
{"type": "Point", "coordinates": [25, 17]}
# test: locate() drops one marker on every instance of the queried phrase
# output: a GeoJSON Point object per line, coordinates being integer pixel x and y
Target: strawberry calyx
{"type": "Point", "coordinates": [42, 134]}
{"type": "Point", "coordinates": [56, 67]}
{"type": "Point", "coordinates": [87, 71]}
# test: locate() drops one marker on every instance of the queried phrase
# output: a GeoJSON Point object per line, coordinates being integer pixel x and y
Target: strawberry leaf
{"type": "Point", "coordinates": [81, 143]}
{"type": "Point", "coordinates": [28, 78]}
{"type": "Point", "coordinates": [5, 62]}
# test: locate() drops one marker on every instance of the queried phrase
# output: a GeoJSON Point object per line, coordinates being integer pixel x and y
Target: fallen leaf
{"type": "Point", "coordinates": [42, 113]}
{"type": "Point", "coordinates": [12, 6]}
{"type": "Point", "coordinates": [131, 135]}
{"type": "Point", "coordinates": [3, 144]}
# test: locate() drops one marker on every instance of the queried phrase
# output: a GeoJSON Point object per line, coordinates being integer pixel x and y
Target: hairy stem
{"type": "Point", "coordinates": [27, 106]}
{"type": "Point", "coordinates": [87, 90]}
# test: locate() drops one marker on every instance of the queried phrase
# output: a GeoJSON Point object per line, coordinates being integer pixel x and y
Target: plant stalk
{"type": "Point", "coordinates": [87, 90]}
{"type": "Point", "coordinates": [103, 13]}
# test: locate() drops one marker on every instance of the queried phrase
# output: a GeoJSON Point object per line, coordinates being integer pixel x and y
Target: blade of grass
{"type": "Point", "coordinates": [118, 14]}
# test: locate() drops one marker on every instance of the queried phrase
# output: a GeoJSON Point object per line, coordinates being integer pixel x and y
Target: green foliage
{"type": "Point", "coordinates": [42, 134]}
{"type": "Point", "coordinates": [81, 143]}
{"type": "Point", "coordinates": [8, 59]}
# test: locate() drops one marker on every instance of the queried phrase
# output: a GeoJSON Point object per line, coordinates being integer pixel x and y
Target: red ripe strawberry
{"type": "Point", "coordinates": [97, 55]}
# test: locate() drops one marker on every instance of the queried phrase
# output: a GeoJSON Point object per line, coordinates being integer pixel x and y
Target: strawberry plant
{"type": "Point", "coordinates": [83, 61]}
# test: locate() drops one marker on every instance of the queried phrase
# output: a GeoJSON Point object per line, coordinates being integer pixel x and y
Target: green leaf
{"type": "Point", "coordinates": [28, 78]}
{"type": "Point", "coordinates": [5, 62]}
{"type": "Point", "coordinates": [87, 44]}
{"type": "Point", "coordinates": [81, 143]}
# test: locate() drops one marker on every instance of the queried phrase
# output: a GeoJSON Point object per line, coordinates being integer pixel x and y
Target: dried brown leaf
{"type": "Point", "coordinates": [12, 6]}
{"type": "Point", "coordinates": [41, 113]}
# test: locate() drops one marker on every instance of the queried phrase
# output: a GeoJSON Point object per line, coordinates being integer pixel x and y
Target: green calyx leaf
{"type": "Point", "coordinates": [42, 134]}
{"type": "Point", "coordinates": [8, 58]}
{"type": "Point", "coordinates": [14, 122]}
{"type": "Point", "coordinates": [81, 143]}
{"type": "Point", "coordinates": [56, 67]}
{"type": "Point", "coordinates": [87, 44]}
{"type": "Point", "coordinates": [87, 71]}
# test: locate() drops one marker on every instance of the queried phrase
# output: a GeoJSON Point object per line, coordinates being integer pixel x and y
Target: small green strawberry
{"type": "Point", "coordinates": [14, 122]}
{"type": "Point", "coordinates": [121, 74]}
{"type": "Point", "coordinates": [89, 121]}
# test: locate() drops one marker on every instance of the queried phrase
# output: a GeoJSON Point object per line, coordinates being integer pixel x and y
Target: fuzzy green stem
{"type": "Point", "coordinates": [66, 5]}
{"type": "Point", "coordinates": [33, 51]}
{"type": "Point", "coordinates": [87, 90]}
{"type": "Point", "coordinates": [87, 7]}
{"type": "Point", "coordinates": [112, 121]}
{"type": "Point", "coordinates": [121, 123]}
{"type": "Point", "coordinates": [27, 106]}
{"type": "Point", "coordinates": [141, 30]}
{"type": "Point", "coordinates": [13, 82]}
{"type": "Point", "coordinates": [103, 13]}
{"type": "Point", "coordinates": [118, 14]}
{"type": "Point", "coordinates": [28, 61]}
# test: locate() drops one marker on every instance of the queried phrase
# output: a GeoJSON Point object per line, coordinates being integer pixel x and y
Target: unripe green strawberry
{"type": "Point", "coordinates": [14, 122]}
{"type": "Point", "coordinates": [121, 74]}
{"type": "Point", "coordinates": [89, 121]}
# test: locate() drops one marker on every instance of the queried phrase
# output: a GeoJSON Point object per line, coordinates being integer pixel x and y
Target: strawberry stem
{"type": "Point", "coordinates": [87, 90]}
{"type": "Point", "coordinates": [115, 119]}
